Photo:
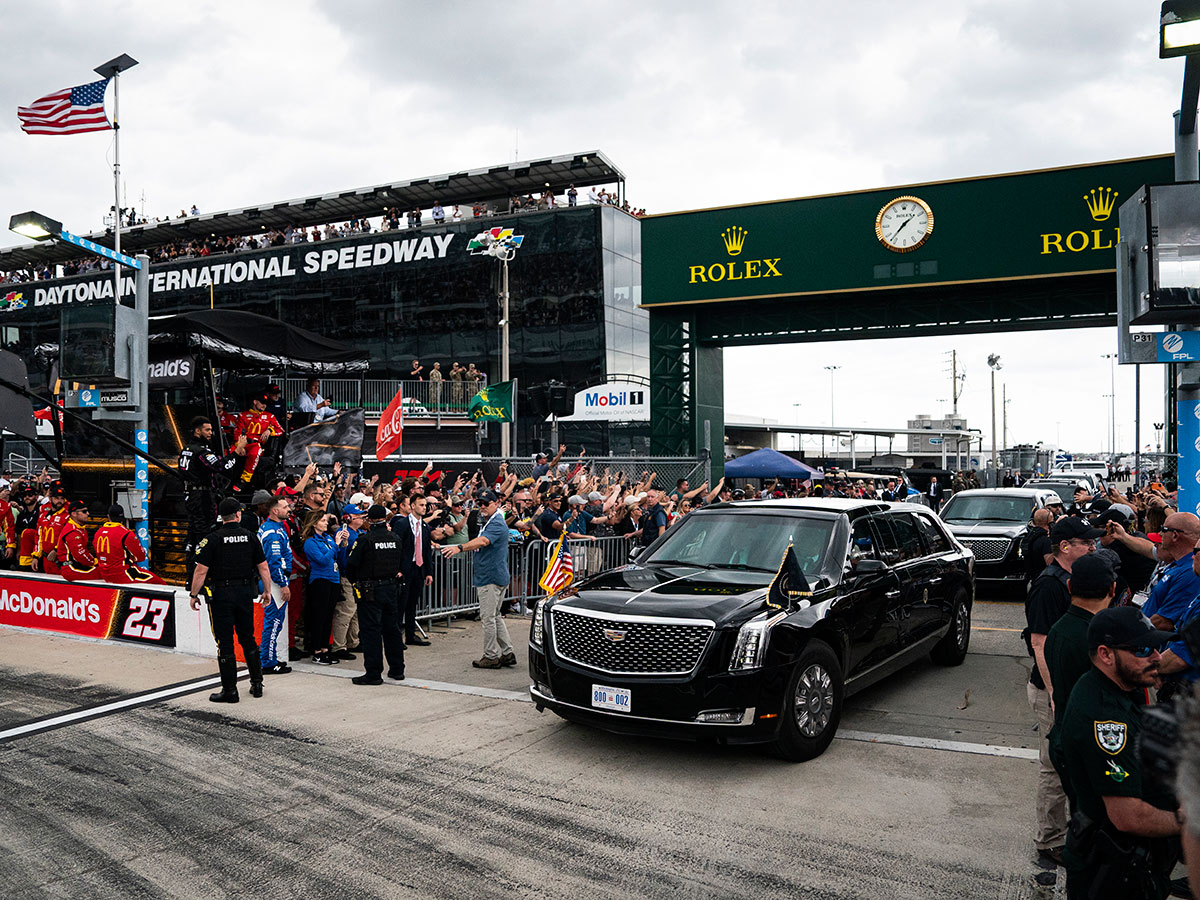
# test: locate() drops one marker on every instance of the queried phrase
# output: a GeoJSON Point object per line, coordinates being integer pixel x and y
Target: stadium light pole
{"type": "Point", "coordinates": [831, 370]}
{"type": "Point", "coordinates": [40, 227]}
{"type": "Point", "coordinates": [502, 244]}
{"type": "Point", "coordinates": [1112, 378]}
{"type": "Point", "coordinates": [994, 365]}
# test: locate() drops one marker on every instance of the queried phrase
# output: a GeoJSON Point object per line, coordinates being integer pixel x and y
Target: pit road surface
{"type": "Point", "coordinates": [322, 789]}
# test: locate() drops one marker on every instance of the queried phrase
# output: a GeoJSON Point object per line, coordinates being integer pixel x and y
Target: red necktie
{"type": "Point", "coordinates": [417, 540]}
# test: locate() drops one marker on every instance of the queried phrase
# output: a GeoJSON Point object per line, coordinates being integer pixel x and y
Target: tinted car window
{"type": "Point", "coordinates": [988, 508]}
{"type": "Point", "coordinates": [862, 541]}
{"type": "Point", "coordinates": [935, 541]}
{"type": "Point", "coordinates": [741, 541]}
{"type": "Point", "coordinates": [908, 539]}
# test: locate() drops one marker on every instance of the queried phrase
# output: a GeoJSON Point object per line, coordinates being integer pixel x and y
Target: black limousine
{"type": "Point", "coordinates": [684, 643]}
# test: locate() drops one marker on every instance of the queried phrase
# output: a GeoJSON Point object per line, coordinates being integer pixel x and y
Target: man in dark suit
{"type": "Point", "coordinates": [416, 566]}
{"type": "Point", "coordinates": [935, 494]}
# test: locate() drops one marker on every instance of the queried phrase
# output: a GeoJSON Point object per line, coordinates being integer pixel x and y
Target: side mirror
{"type": "Point", "coordinates": [635, 552]}
{"type": "Point", "coordinates": [868, 567]}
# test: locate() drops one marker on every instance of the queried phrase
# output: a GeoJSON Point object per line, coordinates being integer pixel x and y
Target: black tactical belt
{"type": "Point", "coordinates": [370, 583]}
{"type": "Point", "coordinates": [230, 582]}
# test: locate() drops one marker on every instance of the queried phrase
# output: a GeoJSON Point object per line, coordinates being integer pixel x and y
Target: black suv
{"type": "Point", "coordinates": [684, 644]}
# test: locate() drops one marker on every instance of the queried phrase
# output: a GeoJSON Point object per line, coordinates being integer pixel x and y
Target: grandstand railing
{"type": "Point", "coordinates": [420, 399]}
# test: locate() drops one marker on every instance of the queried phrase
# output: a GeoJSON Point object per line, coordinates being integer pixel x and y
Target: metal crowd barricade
{"type": "Point", "coordinates": [452, 594]}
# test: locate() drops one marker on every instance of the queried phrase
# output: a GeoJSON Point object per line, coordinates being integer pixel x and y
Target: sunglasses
{"type": "Point", "coordinates": [1139, 652]}
{"type": "Point", "coordinates": [1166, 529]}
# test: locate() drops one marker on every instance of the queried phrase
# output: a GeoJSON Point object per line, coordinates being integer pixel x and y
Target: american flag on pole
{"type": "Point", "coordinates": [559, 570]}
{"type": "Point", "coordinates": [69, 111]}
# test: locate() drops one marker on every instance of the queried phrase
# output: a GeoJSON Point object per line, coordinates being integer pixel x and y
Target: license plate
{"type": "Point", "coordinates": [610, 698]}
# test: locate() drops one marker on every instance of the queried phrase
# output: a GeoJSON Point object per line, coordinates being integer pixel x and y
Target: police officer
{"type": "Point", "coordinates": [374, 567]}
{"type": "Point", "coordinates": [233, 556]}
{"type": "Point", "coordinates": [1119, 840]}
{"type": "Point", "coordinates": [202, 468]}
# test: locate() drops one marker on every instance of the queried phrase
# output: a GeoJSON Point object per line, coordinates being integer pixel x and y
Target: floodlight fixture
{"type": "Point", "coordinates": [35, 225]}
{"type": "Point", "coordinates": [1179, 28]}
{"type": "Point", "coordinates": [994, 362]}
{"type": "Point", "coordinates": [115, 66]}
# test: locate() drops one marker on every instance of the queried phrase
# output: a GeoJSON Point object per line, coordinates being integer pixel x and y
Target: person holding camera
{"type": "Point", "coordinates": [1119, 843]}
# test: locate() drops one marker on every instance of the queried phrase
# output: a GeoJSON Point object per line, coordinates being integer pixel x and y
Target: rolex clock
{"type": "Point", "coordinates": [904, 224]}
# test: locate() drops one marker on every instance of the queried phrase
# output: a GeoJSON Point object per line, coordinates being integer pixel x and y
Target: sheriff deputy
{"type": "Point", "coordinates": [1121, 832]}
{"type": "Point", "coordinates": [233, 556]}
{"type": "Point", "coordinates": [374, 567]}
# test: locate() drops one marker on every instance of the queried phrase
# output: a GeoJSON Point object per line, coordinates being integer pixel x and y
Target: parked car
{"type": "Point", "coordinates": [682, 643]}
{"type": "Point", "coordinates": [992, 523]}
{"type": "Point", "coordinates": [1065, 487]}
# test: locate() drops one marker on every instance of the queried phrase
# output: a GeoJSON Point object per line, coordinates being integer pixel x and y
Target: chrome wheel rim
{"type": "Point", "coordinates": [813, 704]}
{"type": "Point", "coordinates": [962, 621]}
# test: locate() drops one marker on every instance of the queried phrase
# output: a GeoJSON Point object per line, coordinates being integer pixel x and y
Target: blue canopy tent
{"type": "Point", "coordinates": [768, 463]}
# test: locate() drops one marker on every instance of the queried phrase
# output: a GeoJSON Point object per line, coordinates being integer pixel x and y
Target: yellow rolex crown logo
{"type": "Point", "coordinates": [734, 237]}
{"type": "Point", "coordinates": [1100, 202]}
{"type": "Point", "coordinates": [483, 396]}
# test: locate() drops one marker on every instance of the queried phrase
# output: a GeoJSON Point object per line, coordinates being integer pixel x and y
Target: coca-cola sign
{"type": "Point", "coordinates": [390, 435]}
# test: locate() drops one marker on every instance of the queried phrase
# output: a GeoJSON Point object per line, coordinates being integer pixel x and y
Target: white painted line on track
{"type": "Point", "coordinates": [904, 740]}
{"type": "Point", "coordinates": [423, 684]}
{"type": "Point", "coordinates": [99, 710]}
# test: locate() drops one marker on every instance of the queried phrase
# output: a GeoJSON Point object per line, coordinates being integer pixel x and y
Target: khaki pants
{"type": "Point", "coordinates": [1051, 799]}
{"type": "Point", "coordinates": [495, 634]}
{"type": "Point", "coordinates": [345, 619]}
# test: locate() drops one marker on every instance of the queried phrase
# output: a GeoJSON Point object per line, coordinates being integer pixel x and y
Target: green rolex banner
{"type": "Point", "coordinates": [493, 403]}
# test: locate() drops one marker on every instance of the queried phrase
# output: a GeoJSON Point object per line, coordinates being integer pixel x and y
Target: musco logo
{"type": "Point", "coordinates": [1111, 736]}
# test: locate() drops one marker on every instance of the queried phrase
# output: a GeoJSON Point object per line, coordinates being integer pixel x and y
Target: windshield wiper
{"type": "Point", "coordinates": [680, 562]}
{"type": "Point", "coordinates": [739, 566]}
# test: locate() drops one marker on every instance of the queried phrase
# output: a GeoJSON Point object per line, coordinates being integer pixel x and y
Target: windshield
{"type": "Point", "coordinates": [982, 508]}
{"type": "Point", "coordinates": [741, 541]}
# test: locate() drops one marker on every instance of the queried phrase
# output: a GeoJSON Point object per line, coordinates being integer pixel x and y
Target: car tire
{"type": "Point", "coordinates": [812, 705]}
{"type": "Point", "coordinates": [951, 650]}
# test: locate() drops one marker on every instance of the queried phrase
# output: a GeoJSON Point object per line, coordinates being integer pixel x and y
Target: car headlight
{"type": "Point", "coordinates": [535, 637]}
{"type": "Point", "coordinates": [751, 646]}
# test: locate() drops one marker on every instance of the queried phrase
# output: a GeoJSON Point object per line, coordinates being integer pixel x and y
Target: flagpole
{"type": "Point", "coordinates": [113, 69]}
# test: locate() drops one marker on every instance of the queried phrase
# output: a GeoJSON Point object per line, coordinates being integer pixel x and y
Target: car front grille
{"type": "Point", "coordinates": [987, 549]}
{"type": "Point", "coordinates": [629, 645]}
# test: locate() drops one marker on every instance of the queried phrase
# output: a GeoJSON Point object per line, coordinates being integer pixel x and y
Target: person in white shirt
{"type": "Point", "coordinates": [593, 197]}
{"type": "Point", "coordinates": [311, 401]}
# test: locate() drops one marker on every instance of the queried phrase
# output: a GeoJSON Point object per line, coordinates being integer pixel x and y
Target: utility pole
{"type": "Point", "coordinates": [1004, 416]}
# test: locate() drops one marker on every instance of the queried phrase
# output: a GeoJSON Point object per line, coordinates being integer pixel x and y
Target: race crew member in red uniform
{"type": "Point", "coordinates": [256, 425]}
{"type": "Point", "coordinates": [50, 524]}
{"type": "Point", "coordinates": [118, 551]}
{"type": "Point", "coordinates": [8, 521]}
{"type": "Point", "coordinates": [227, 421]}
{"type": "Point", "coordinates": [75, 559]}
{"type": "Point", "coordinates": [28, 510]}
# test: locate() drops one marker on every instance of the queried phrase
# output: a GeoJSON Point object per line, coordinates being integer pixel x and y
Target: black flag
{"type": "Point", "coordinates": [789, 585]}
{"type": "Point", "coordinates": [338, 439]}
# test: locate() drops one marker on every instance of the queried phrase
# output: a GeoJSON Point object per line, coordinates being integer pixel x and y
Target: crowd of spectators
{"type": "Point", "coordinates": [294, 234]}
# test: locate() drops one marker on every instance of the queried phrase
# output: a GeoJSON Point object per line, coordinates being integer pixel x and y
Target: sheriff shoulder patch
{"type": "Point", "coordinates": [1111, 736]}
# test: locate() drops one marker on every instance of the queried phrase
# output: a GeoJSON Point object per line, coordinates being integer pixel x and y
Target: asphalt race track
{"type": "Point", "coordinates": [326, 790]}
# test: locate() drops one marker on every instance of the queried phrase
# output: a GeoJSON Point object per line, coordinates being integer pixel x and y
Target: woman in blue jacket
{"type": "Point", "coordinates": [325, 549]}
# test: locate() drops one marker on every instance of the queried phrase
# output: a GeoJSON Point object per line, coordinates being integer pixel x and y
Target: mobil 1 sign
{"type": "Point", "coordinates": [612, 402]}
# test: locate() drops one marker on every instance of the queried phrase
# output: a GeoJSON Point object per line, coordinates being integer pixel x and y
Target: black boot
{"type": "Point", "coordinates": [254, 664]}
{"type": "Point", "coordinates": [229, 691]}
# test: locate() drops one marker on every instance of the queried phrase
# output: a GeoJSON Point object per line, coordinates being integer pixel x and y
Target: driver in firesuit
{"type": "Point", "coordinates": [75, 560]}
{"type": "Point", "coordinates": [255, 427]}
{"type": "Point", "coordinates": [51, 521]}
{"type": "Point", "coordinates": [201, 467]}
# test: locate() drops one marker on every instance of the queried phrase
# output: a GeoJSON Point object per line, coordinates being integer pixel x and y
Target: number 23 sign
{"type": "Point", "coordinates": [130, 613]}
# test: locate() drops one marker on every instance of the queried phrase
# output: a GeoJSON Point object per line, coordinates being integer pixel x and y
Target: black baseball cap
{"type": "Point", "coordinates": [115, 513]}
{"type": "Point", "coordinates": [228, 507]}
{"type": "Point", "coordinates": [488, 497]}
{"type": "Point", "coordinates": [377, 513]}
{"type": "Point", "coordinates": [1072, 528]}
{"type": "Point", "coordinates": [1125, 626]}
{"type": "Point", "coordinates": [1092, 575]}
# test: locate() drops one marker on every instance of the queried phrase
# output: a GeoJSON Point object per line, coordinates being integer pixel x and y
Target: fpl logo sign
{"type": "Point", "coordinates": [1172, 343]}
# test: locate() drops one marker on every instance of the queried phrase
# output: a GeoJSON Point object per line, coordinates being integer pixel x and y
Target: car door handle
{"type": "Point", "coordinates": [935, 580]}
{"type": "Point", "coordinates": [892, 595]}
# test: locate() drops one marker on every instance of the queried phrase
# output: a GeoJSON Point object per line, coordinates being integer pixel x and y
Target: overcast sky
{"type": "Point", "coordinates": [699, 103]}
